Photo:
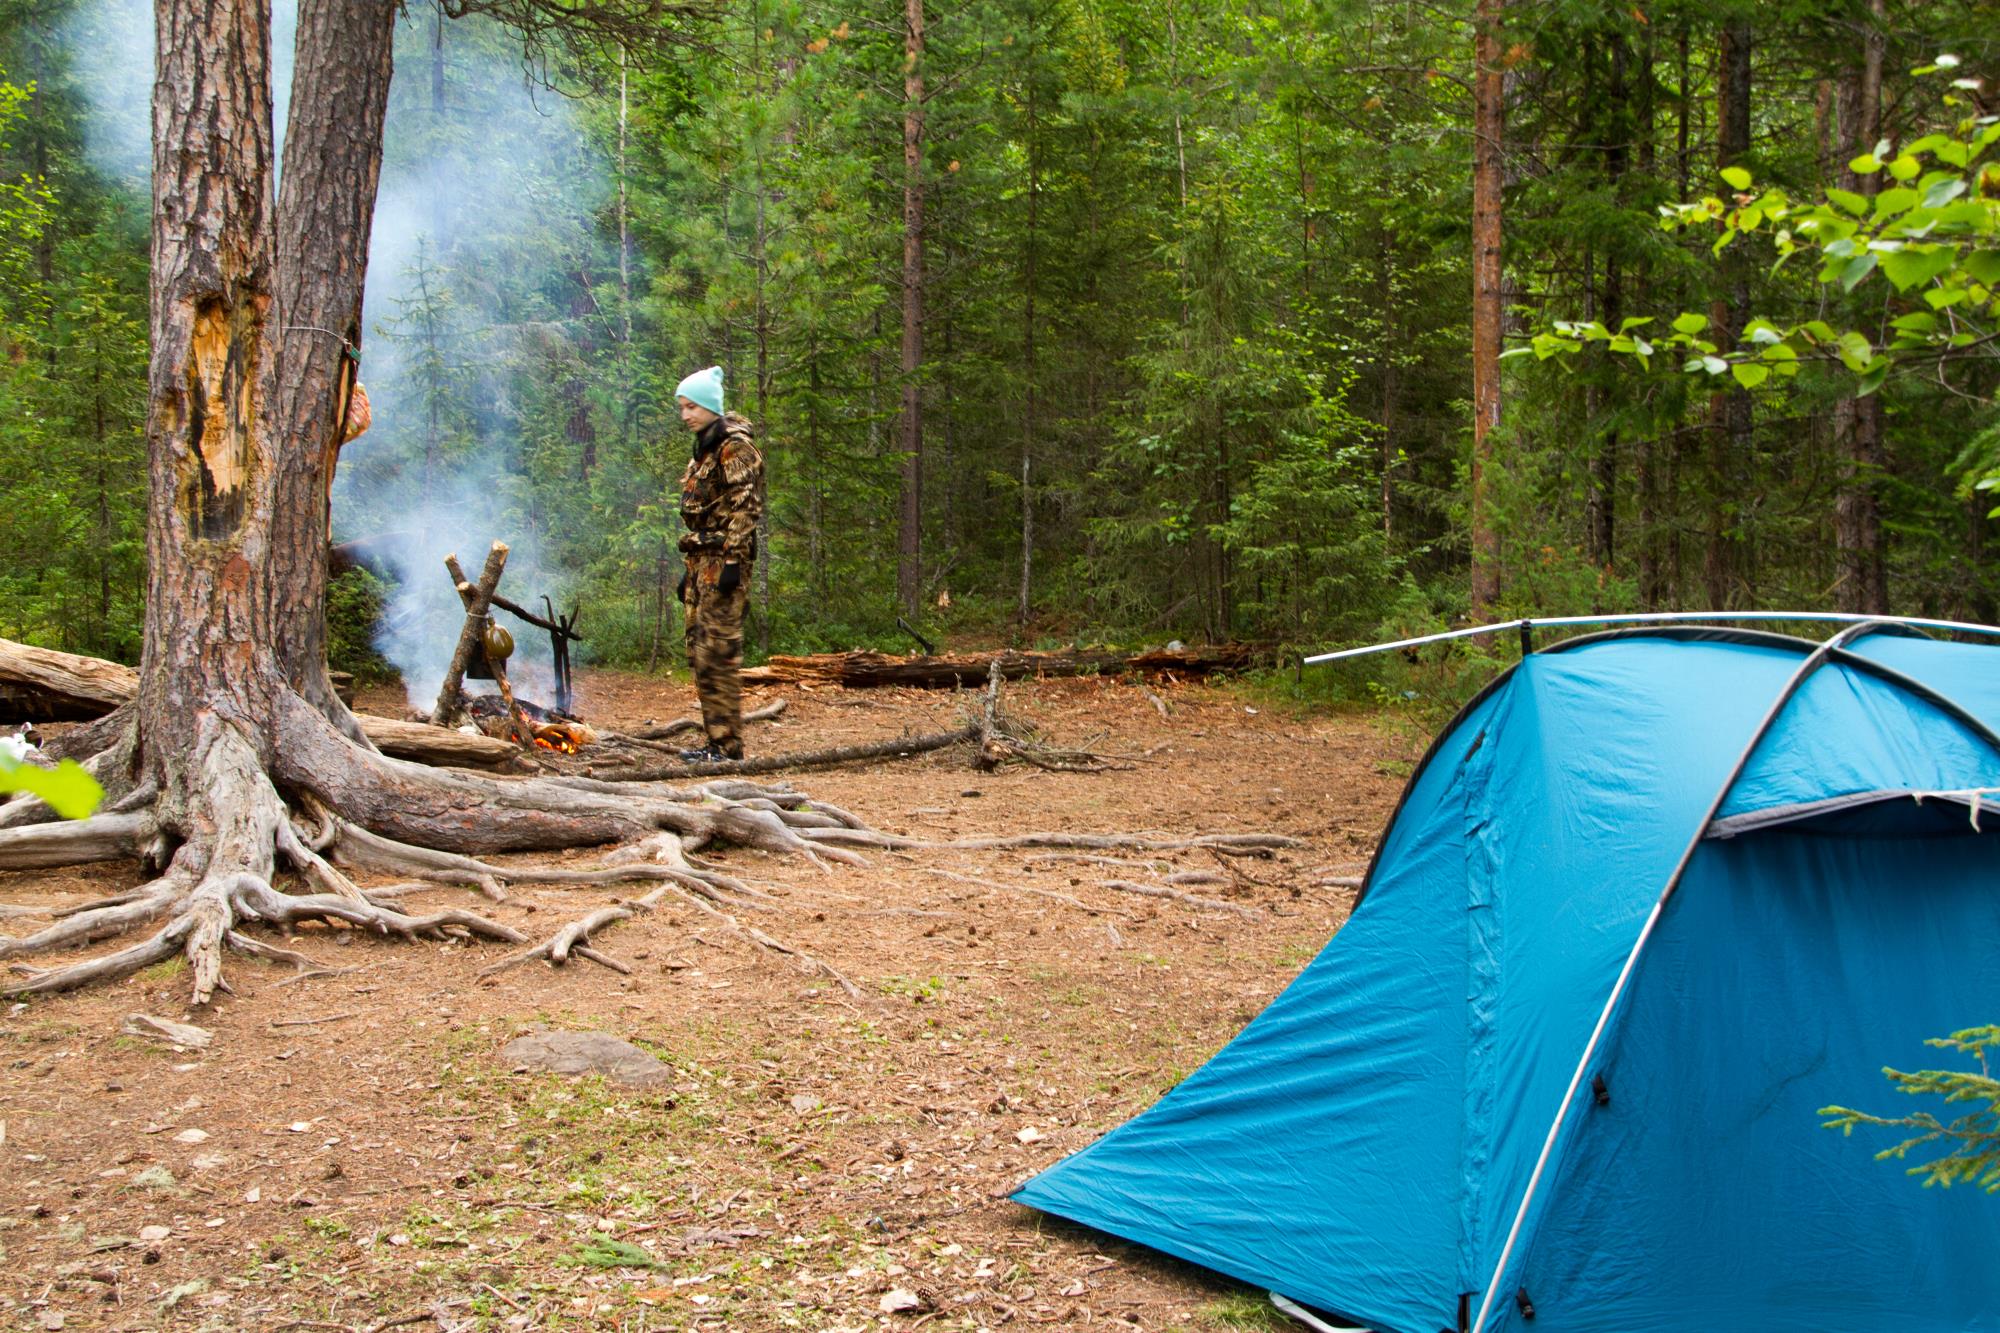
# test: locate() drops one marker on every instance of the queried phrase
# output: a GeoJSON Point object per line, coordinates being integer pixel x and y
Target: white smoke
{"type": "Point", "coordinates": [110, 44]}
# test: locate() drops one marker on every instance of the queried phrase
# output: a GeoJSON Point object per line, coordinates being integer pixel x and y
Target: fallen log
{"type": "Point", "coordinates": [869, 670]}
{"type": "Point", "coordinates": [43, 685]}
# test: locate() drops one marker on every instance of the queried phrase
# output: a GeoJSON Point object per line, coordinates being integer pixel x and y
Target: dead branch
{"type": "Point", "coordinates": [901, 748]}
{"type": "Point", "coordinates": [864, 670]}
{"type": "Point", "coordinates": [450, 698]}
{"type": "Point", "coordinates": [667, 730]}
{"type": "Point", "coordinates": [1179, 896]}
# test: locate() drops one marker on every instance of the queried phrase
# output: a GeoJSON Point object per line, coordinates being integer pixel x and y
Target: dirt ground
{"type": "Point", "coordinates": [352, 1153]}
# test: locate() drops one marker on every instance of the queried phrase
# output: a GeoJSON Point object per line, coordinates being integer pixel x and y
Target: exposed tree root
{"type": "Point", "coordinates": [570, 940]}
{"type": "Point", "coordinates": [1239, 844]}
{"type": "Point", "coordinates": [309, 799]}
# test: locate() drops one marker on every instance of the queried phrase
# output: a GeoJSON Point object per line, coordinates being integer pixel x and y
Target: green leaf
{"type": "Point", "coordinates": [1913, 267]}
{"type": "Point", "coordinates": [68, 790]}
{"type": "Point", "coordinates": [1937, 298]}
{"type": "Point", "coordinates": [1763, 333]}
{"type": "Point", "coordinates": [1865, 165]}
{"type": "Point", "coordinates": [1690, 324]}
{"type": "Point", "coordinates": [1921, 321]}
{"type": "Point", "coordinates": [1905, 168]}
{"type": "Point", "coordinates": [1849, 200]}
{"type": "Point", "coordinates": [1943, 192]}
{"type": "Point", "coordinates": [1982, 266]}
{"type": "Point", "coordinates": [1854, 350]}
{"type": "Point", "coordinates": [1871, 379]}
{"type": "Point", "coordinates": [1818, 330]}
{"type": "Point", "coordinates": [1748, 218]}
{"type": "Point", "coordinates": [1714, 365]}
{"type": "Point", "coordinates": [1857, 268]}
{"type": "Point", "coordinates": [1749, 374]}
{"type": "Point", "coordinates": [1779, 352]}
{"type": "Point", "coordinates": [1899, 200]}
{"type": "Point", "coordinates": [1737, 177]}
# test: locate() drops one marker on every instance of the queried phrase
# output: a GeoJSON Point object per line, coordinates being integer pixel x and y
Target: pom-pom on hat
{"type": "Point", "coordinates": [704, 387]}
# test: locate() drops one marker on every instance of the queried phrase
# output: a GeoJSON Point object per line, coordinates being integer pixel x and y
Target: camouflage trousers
{"type": "Point", "coordinates": [715, 651]}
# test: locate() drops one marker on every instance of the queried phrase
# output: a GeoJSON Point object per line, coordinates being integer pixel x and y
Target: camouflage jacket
{"type": "Point", "coordinates": [722, 492]}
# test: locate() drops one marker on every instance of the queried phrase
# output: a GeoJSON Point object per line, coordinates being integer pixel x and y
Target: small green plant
{"type": "Point", "coordinates": [1972, 1140]}
{"type": "Point", "coordinates": [917, 989]}
{"type": "Point", "coordinates": [606, 1252]}
{"type": "Point", "coordinates": [1243, 1310]}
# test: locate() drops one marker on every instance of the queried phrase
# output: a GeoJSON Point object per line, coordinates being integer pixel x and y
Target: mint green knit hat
{"type": "Point", "coordinates": [704, 387]}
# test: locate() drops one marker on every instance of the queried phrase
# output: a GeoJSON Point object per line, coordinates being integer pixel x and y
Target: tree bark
{"type": "Point", "coordinates": [1857, 422]}
{"type": "Point", "coordinates": [1488, 127]}
{"type": "Point", "coordinates": [1729, 410]}
{"type": "Point", "coordinates": [910, 533]}
{"type": "Point", "coordinates": [1616, 135]}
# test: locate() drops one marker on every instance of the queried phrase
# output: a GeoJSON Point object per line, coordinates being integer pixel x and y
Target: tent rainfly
{"type": "Point", "coordinates": [1654, 898]}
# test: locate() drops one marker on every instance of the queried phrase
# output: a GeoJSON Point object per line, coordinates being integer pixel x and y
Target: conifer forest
{"type": "Point", "coordinates": [1294, 322]}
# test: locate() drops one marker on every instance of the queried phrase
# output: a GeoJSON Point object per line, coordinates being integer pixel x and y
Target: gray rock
{"type": "Point", "coordinates": [587, 1053]}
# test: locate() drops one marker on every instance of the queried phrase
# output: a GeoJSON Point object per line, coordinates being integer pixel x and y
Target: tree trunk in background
{"type": "Point", "coordinates": [1857, 422]}
{"type": "Point", "coordinates": [1488, 125]}
{"type": "Point", "coordinates": [1646, 450]}
{"type": "Point", "coordinates": [910, 531]}
{"type": "Point", "coordinates": [1729, 413]}
{"type": "Point", "coordinates": [1385, 254]}
{"type": "Point", "coordinates": [1615, 135]}
{"type": "Point", "coordinates": [1028, 360]}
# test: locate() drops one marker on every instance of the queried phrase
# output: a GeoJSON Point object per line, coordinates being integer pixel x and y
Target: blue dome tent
{"type": "Point", "coordinates": [1654, 898]}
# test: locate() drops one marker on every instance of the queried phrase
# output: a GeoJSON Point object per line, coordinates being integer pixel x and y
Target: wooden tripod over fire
{"type": "Point", "coordinates": [479, 599]}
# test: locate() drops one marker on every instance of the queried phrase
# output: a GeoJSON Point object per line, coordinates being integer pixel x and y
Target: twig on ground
{"type": "Point", "coordinates": [1063, 898]}
{"type": "Point", "coordinates": [685, 724]}
{"type": "Point", "coordinates": [1191, 899]}
{"type": "Point", "coordinates": [314, 1022]}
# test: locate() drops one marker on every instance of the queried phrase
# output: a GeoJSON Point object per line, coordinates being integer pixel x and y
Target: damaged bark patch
{"type": "Point", "coordinates": [222, 415]}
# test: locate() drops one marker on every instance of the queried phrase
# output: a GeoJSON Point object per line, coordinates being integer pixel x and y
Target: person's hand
{"type": "Point", "coordinates": [732, 578]}
{"type": "Point", "coordinates": [682, 592]}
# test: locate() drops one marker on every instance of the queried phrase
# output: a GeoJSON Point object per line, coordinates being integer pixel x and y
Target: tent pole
{"type": "Point", "coordinates": [1819, 657]}
{"type": "Point", "coordinates": [1286, 1306]}
{"type": "Point", "coordinates": [1653, 618]}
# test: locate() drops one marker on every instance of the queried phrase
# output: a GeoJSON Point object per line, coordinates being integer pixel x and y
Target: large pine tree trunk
{"type": "Point", "coordinates": [254, 312]}
{"type": "Point", "coordinates": [1488, 125]}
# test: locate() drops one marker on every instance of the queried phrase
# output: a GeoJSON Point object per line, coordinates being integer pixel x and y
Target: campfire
{"type": "Point", "coordinates": [544, 727]}
{"type": "Point", "coordinates": [484, 646]}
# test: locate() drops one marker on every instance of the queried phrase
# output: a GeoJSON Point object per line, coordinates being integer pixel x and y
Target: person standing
{"type": "Point", "coordinates": [722, 497]}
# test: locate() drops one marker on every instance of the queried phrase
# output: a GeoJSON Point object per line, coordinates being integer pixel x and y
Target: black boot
{"type": "Point", "coordinates": [707, 754]}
